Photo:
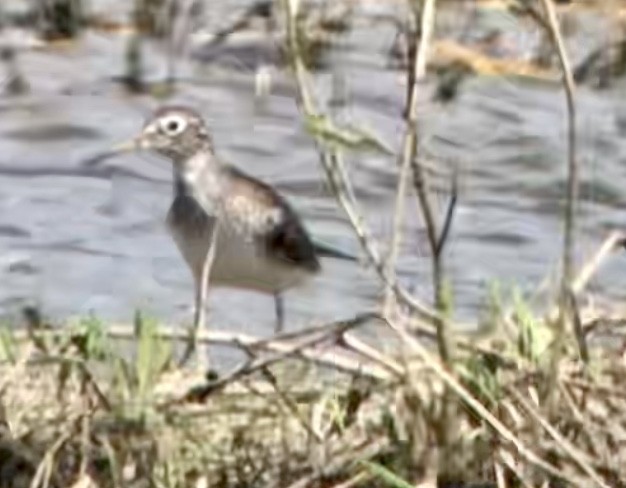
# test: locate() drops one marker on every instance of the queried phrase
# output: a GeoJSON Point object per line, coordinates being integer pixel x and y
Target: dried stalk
{"type": "Point", "coordinates": [570, 450]}
{"type": "Point", "coordinates": [552, 24]}
{"type": "Point", "coordinates": [417, 70]}
{"type": "Point", "coordinates": [333, 358]}
{"type": "Point", "coordinates": [589, 269]}
{"type": "Point", "coordinates": [410, 150]}
{"type": "Point", "coordinates": [288, 345]}
{"type": "Point", "coordinates": [569, 234]}
{"type": "Point", "coordinates": [610, 244]}
{"type": "Point", "coordinates": [447, 422]}
{"type": "Point", "coordinates": [478, 408]}
{"type": "Point", "coordinates": [353, 343]}
{"type": "Point", "coordinates": [332, 164]}
{"type": "Point", "coordinates": [572, 163]}
{"type": "Point", "coordinates": [416, 73]}
{"type": "Point", "coordinates": [256, 363]}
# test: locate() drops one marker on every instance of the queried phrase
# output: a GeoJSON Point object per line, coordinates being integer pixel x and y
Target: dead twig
{"type": "Point", "coordinates": [614, 240]}
{"type": "Point", "coordinates": [420, 183]}
{"type": "Point", "coordinates": [333, 166]}
{"type": "Point", "coordinates": [417, 70]}
{"type": "Point", "coordinates": [563, 443]}
{"type": "Point", "coordinates": [255, 363]}
{"type": "Point", "coordinates": [281, 343]}
{"type": "Point", "coordinates": [569, 233]}
{"type": "Point", "coordinates": [353, 343]}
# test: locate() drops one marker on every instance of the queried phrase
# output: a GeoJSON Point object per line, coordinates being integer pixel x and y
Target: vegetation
{"type": "Point", "coordinates": [535, 398]}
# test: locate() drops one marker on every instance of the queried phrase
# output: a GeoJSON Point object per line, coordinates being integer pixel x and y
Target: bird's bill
{"type": "Point", "coordinates": [133, 145]}
{"type": "Point", "coordinates": [127, 146]}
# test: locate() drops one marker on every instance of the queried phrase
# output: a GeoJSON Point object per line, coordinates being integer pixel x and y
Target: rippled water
{"type": "Point", "coordinates": [76, 240]}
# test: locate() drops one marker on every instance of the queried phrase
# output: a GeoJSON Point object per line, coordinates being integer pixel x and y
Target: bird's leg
{"type": "Point", "coordinates": [279, 306]}
{"type": "Point", "coordinates": [199, 319]}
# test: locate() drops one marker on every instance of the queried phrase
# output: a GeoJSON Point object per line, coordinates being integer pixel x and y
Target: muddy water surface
{"type": "Point", "coordinates": [76, 240]}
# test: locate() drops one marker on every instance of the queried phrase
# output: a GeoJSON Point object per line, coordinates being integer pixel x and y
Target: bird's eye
{"type": "Point", "coordinates": [173, 125]}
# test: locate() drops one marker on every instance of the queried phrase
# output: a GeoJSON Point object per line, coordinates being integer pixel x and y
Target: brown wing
{"type": "Point", "coordinates": [272, 221]}
{"type": "Point", "coordinates": [289, 242]}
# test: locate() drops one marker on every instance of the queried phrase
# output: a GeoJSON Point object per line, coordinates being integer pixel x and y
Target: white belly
{"type": "Point", "coordinates": [239, 261]}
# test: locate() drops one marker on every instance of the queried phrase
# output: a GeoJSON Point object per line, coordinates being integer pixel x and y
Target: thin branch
{"type": "Point", "coordinates": [332, 164]}
{"type": "Point", "coordinates": [355, 344]}
{"type": "Point", "coordinates": [610, 244]}
{"type": "Point", "coordinates": [590, 268]}
{"type": "Point", "coordinates": [398, 223]}
{"type": "Point", "coordinates": [409, 145]}
{"type": "Point", "coordinates": [569, 233]}
{"type": "Point", "coordinates": [572, 163]}
{"type": "Point", "coordinates": [283, 343]}
{"type": "Point", "coordinates": [255, 363]}
{"type": "Point", "coordinates": [420, 182]}
{"type": "Point", "coordinates": [447, 222]}
{"type": "Point", "coordinates": [448, 420]}
{"type": "Point", "coordinates": [333, 358]}
{"type": "Point", "coordinates": [330, 161]}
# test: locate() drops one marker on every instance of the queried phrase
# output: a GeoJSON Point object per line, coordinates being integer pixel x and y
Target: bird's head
{"type": "Point", "coordinates": [177, 133]}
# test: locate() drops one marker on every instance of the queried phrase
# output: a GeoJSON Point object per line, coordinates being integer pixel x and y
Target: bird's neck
{"type": "Point", "coordinates": [199, 176]}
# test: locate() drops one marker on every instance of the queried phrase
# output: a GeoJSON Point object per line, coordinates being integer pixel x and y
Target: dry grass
{"type": "Point", "coordinates": [74, 411]}
{"type": "Point", "coordinates": [323, 407]}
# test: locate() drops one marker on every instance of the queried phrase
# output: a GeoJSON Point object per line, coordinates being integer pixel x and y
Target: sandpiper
{"type": "Point", "coordinates": [260, 242]}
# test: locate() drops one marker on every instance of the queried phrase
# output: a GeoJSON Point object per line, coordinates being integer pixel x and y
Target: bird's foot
{"type": "Point", "coordinates": [194, 351]}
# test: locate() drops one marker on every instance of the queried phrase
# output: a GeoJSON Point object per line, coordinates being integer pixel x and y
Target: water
{"type": "Point", "coordinates": [77, 240]}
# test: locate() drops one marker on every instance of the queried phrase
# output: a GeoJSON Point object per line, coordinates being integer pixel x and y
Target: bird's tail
{"type": "Point", "coordinates": [325, 250]}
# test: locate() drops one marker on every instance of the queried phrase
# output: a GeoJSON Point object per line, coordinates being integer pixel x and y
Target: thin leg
{"type": "Point", "coordinates": [280, 313]}
{"type": "Point", "coordinates": [199, 318]}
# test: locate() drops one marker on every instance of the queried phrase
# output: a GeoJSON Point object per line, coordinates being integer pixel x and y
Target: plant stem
{"type": "Point", "coordinates": [569, 233]}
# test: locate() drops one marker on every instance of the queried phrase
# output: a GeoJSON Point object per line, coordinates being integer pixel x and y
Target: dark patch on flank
{"type": "Point", "coordinates": [287, 240]}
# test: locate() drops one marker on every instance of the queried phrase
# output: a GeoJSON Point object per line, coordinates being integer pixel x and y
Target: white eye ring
{"type": "Point", "coordinates": [173, 125]}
